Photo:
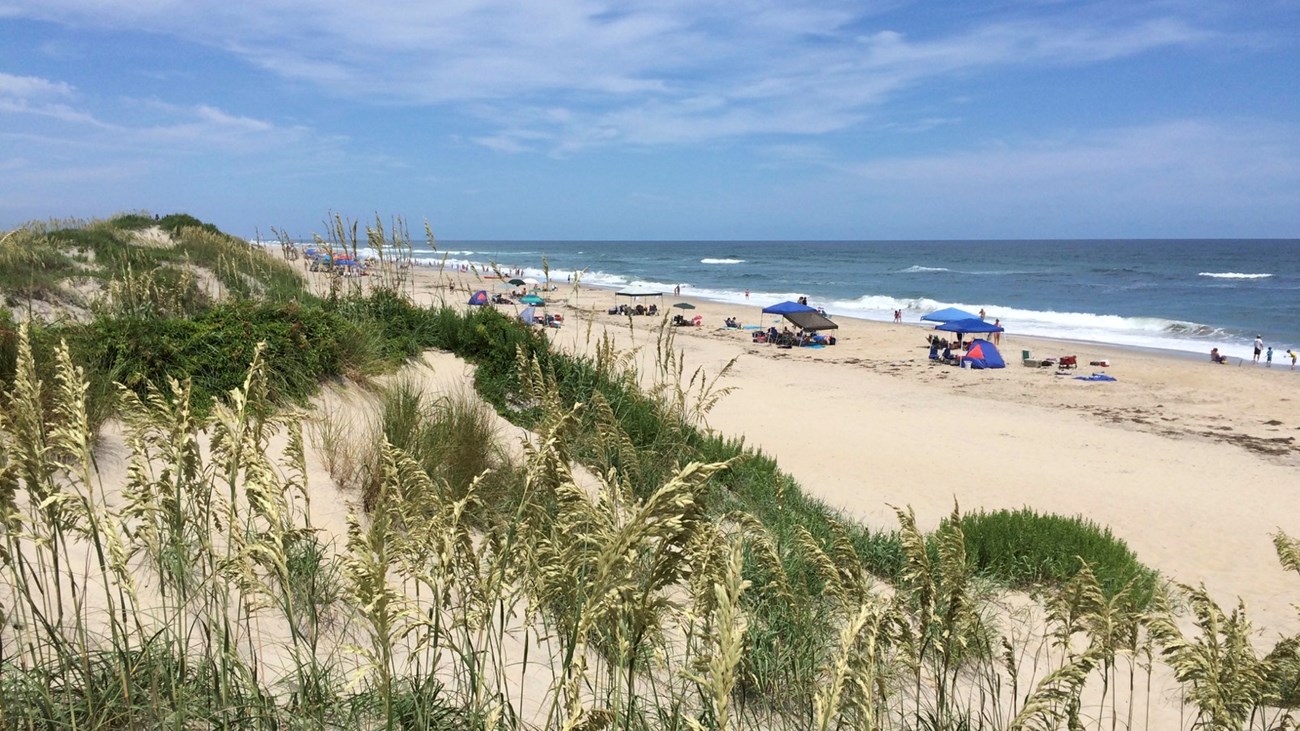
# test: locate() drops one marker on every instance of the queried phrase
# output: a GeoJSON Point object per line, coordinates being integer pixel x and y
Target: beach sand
{"type": "Point", "coordinates": [1193, 464]}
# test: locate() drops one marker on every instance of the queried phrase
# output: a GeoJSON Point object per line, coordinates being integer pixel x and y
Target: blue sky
{"type": "Point", "coordinates": [587, 119]}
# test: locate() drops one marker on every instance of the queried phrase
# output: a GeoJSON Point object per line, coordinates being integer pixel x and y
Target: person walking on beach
{"type": "Point", "coordinates": [1259, 347]}
{"type": "Point", "coordinates": [1291, 352]}
{"type": "Point", "coordinates": [898, 316]}
{"type": "Point", "coordinates": [1268, 358]}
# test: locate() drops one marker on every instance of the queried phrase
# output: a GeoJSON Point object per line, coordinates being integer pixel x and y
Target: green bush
{"type": "Point", "coordinates": [1023, 548]}
{"type": "Point", "coordinates": [215, 348]}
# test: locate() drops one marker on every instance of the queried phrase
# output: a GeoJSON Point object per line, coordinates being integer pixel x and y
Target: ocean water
{"type": "Point", "coordinates": [1182, 295]}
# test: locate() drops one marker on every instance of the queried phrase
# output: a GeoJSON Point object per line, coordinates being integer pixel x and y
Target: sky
{"type": "Point", "coordinates": [681, 119]}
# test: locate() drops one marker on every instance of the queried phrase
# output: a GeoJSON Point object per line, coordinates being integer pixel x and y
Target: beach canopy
{"type": "Point", "coordinates": [982, 354]}
{"type": "Point", "coordinates": [479, 298]}
{"type": "Point", "coordinates": [532, 299]}
{"type": "Point", "coordinates": [969, 325]}
{"type": "Point", "coordinates": [949, 314]}
{"type": "Point", "coordinates": [630, 292]}
{"type": "Point", "coordinates": [810, 321]}
{"type": "Point", "coordinates": [785, 308]}
{"type": "Point", "coordinates": [528, 316]}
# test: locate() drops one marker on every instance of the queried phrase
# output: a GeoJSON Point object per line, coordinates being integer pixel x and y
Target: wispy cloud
{"type": "Point", "coordinates": [32, 87]}
{"type": "Point", "coordinates": [640, 72]}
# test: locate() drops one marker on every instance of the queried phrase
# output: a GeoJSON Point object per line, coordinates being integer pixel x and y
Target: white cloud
{"type": "Point", "coordinates": [635, 71]}
{"type": "Point", "coordinates": [32, 87]}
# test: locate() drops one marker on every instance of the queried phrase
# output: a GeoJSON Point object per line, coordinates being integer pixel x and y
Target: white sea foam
{"type": "Point", "coordinates": [1234, 275]}
{"type": "Point", "coordinates": [722, 261]}
{"type": "Point", "coordinates": [923, 270]}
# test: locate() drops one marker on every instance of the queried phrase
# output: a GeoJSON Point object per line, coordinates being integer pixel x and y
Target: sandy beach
{"type": "Point", "coordinates": [1192, 464]}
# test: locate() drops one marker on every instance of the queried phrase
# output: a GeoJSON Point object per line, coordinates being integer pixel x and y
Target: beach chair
{"type": "Point", "coordinates": [1068, 361]}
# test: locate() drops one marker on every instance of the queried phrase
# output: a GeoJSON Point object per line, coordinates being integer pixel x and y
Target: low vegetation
{"type": "Point", "coordinates": [686, 583]}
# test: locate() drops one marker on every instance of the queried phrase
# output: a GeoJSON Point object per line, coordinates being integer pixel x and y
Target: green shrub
{"type": "Point", "coordinates": [215, 348]}
{"type": "Point", "coordinates": [1023, 548]}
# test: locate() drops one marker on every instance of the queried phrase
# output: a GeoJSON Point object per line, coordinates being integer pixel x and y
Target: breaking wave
{"type": "Point", "coordinates": [1233, 275]}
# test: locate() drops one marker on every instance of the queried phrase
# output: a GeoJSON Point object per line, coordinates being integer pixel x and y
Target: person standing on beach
{"type": "Point", "coordinates": [1268, 358]}
{"type": "Point", "coordinates": [997, 336]}
{"type": "Point", "coordinates": [746, 294]}
{"type": "Point", "coordinates": [1291, 352]}
{"type": "Point", "coordinates": [981, 313]}
{"type": "Point", "coordinates": [1259, 347]}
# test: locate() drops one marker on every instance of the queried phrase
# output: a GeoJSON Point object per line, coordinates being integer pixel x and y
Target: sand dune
{"type": "Point", "coordinates": [1193, 464]}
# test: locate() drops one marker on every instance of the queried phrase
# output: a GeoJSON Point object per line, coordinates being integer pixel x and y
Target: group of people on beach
{"type": "Point", "coordinates": [1260, 350]}
{"type": "Point", "coordinates": [1268, 356]}
{"type": "Point", "coordinates": [626, 310]}
{"type": "Point", "coordinates": [786, 338]}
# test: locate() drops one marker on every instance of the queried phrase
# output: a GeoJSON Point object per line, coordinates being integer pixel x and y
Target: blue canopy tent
{"type": "Point", "coordinates": [969, 325]}
{"type": "Point", "coordinates": [528, 316]}
{"type": "Point", "coordinates": [785, 308]}
{"type": "Point", "coordinates": [479, 298]}
{"type": "Point", "coordinates": [948, 314]}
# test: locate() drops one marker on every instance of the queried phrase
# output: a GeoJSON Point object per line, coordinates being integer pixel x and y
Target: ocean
{"type": "Point", "coordinates": [1178, 295]}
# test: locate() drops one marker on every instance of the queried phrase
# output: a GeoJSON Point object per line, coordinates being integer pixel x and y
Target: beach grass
{"type": "Point", "coordinates": [690, 584]}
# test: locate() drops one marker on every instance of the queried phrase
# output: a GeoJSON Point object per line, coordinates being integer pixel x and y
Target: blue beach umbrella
{"type": "Point", "coordinates": [948, 314]}
{"type": "Point", "coordinates": [532, 299]}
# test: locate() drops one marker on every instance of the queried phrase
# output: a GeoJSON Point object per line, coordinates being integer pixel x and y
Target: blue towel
{"type": "Point", "coordinates": [1096, 377]}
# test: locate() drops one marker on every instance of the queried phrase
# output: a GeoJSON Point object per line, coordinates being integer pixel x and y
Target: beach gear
{"type": "Point", "coordinates": [983, 354]}
{"type": "Point", "coordinates": [532, 299]}
{"type": "Point", "coordinates": [479, 298]}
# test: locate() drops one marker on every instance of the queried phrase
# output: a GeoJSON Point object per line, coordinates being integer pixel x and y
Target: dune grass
{"type": "Point", "coordinates": [222, 608]}
{"type": "Point", "coordinates": [695, 586]}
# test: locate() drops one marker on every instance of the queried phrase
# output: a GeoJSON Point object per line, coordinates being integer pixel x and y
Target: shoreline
{"type": "Point", "coordinates": [1046, 323]}
{"type": "Point", "coordinates": [1046, 340]}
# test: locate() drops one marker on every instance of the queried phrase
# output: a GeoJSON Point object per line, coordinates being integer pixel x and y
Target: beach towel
{"type": "Point", "coordinates": [1096, 377]}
